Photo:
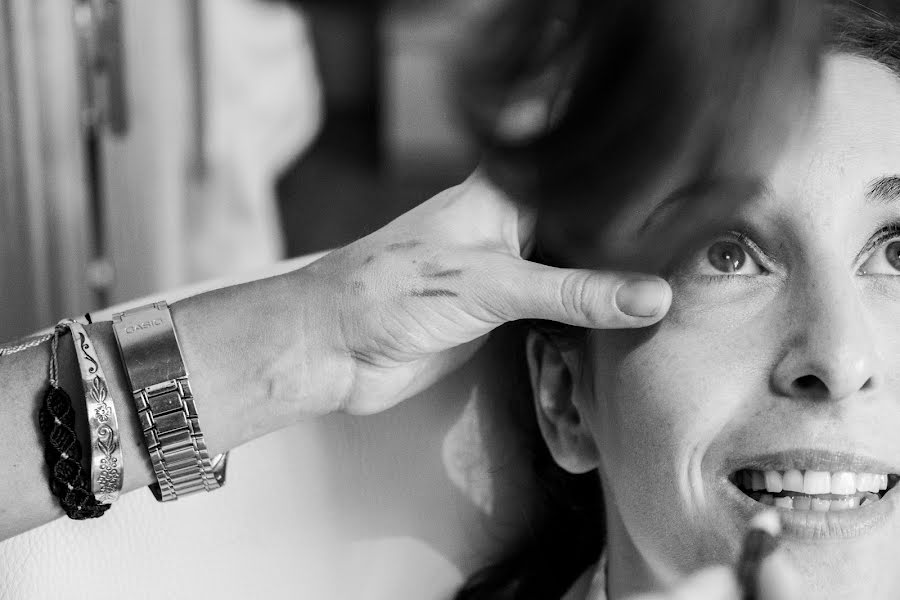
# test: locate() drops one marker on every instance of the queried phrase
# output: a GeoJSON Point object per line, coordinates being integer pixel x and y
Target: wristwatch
{"type": "Point", "coordinates": [165, 403]}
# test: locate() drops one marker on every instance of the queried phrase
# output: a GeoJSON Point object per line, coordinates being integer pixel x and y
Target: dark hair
{"type": "Point", "coordinates": [569, 533]}
{"type": "Point", "coordinates": [870, 30]}
{"type": "Point", "coordinates": [633, 86]}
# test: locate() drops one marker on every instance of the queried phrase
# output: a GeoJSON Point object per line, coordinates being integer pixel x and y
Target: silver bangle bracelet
{"type": "Point", "coordinates": [106, 452]}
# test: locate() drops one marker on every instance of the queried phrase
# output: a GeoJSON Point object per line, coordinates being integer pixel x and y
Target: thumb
{"type": "Point", "coordinates": [580, 297]}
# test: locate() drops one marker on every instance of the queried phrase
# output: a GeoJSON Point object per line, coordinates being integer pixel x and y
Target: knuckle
{"type": "Point", "coordinates": [575, 296]}
{"type": "Point", "coordinates": [494, 307]}
{"type": "Point", "coordinates": [586, 299]}
{"type": "Point", "coordinates": [489, 300]}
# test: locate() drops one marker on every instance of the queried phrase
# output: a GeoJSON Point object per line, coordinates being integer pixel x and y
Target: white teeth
{"type": "Point", "coordinates": [816, 482]}
{"type": "Point", "coordinates": [784, 502]}
{"type": "Point", "coordinates": [801, 503]}
{"type": "Point", "coordinates": [843, 483]}
{"type": "Point", "coordinates": [867, 482]}
{"type": "Point", "coordinates": [819, 505]}
{"type": "Point", "coordinates": [843, 504]}
{"type": "Point", "coordinates": [864, 482]}
{"type": "Point", "coordinates": [773, 481]}
{"type": "Point", "coordinates": [875, 484]}
{"type": "Point", "coordinates": [792, 481]}
{"type": "Point", "coordinates": [758, 481]}
{"type": "Point", "coordinates": [853, 489]}
{"type": "Point", "coordinates": [816, 504]}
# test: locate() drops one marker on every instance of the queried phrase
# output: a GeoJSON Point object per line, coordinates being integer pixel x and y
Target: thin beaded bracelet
{"type": "Point", "coordinates": [62, 450]}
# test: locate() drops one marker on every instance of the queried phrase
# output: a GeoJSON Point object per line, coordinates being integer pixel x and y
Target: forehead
{"type": "Point", "coordinates": [853, 136]}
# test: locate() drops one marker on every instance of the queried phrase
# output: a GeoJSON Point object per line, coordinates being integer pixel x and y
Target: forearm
{"type": "Point", "coordinates": [25, 498]}
{"type": "Point", "coordinates": [258, 360]}
{"type": "Point", "coordinates": [261, 355]}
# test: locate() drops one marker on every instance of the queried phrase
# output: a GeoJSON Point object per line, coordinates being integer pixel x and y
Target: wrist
{"type": "Point", "coordinates": [311, 373]}
{"type": "Point", "coordinates": [259, 356]}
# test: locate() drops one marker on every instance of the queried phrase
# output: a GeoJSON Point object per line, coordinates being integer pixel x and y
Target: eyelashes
{"type": "Point", "coordinates": [731, 255]}
{"type": "Point", "coordinates": [697, 264]}
{"type": "Point", "coordinates": [881, 255]}
{"type": "Point", "coordinates": [882, 236]}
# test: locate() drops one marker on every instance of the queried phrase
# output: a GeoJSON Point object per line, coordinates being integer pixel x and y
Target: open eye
{"type": "Point", "coordinates": [727, 256]}
{"type": "Point", "coordinates": [885, 260]}
{"type": "Point", "coordinates": [730, 255]}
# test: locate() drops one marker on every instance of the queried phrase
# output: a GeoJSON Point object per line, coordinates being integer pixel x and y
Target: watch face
{"type": "Point", "coordinates": [149, 346]}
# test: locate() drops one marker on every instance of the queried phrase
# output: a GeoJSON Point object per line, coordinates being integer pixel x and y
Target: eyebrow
{"type": "Point", "coordinates": [884, 190]}
{"type": "Point", "coordinates": [745, 188]}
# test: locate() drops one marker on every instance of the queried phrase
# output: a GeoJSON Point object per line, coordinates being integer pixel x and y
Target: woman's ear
{"type": "Point", "coordinates": [554, 375]}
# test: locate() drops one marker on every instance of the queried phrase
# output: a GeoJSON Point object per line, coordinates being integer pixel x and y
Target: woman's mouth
{"type": "Point", "coordinates": [810, 490]}
{"type": "Point", "coordinates": [820, 494]}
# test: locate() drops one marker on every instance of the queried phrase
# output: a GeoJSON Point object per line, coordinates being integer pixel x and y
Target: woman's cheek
{"type": "Point", "coordinates": [672, 389]}
{"type": "Point", "coordinates": [662, 386]}
{"type": "Point", "coordinates": [713, 338]}
{"type": "Point", "coordinates": [659, 410]}
{"type": "Point", "coordinates": [715, 306]}
{"type": "Point", "coordinates": [664, 396]}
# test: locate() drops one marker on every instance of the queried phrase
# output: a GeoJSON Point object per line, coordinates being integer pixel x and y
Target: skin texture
{"type": "Point", "coordinates": [358, 331]}
{"type": "Point", "coordinates": [414, 300]}
{"type": "Point", "coordinates": [658, 411]}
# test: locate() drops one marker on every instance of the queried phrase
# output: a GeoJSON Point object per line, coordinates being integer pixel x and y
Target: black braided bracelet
{"type": "Point", "coordinates": [62, 452]}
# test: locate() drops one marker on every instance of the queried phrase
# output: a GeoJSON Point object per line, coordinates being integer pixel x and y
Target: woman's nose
{"type": "Point", "coordinates": [830, 352]}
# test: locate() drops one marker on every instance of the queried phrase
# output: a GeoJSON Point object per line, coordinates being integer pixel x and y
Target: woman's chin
{"type": "Point", "coordinates": [846, 553]}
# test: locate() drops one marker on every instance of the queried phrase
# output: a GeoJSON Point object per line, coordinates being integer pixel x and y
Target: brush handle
{"type": "Point", "coordinates": [758, 545]}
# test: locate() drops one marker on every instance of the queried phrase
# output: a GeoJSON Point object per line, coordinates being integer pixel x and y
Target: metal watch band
{"type": "Point", "coordinates": [165, 403]}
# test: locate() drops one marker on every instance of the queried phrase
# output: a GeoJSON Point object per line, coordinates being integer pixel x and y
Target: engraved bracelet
{"type": "Point", "coordinates": [106, 452]}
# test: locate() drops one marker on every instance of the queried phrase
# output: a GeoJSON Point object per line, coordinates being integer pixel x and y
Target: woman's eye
{"type": "Point", "coordinates": [884, 261]}
{"type": "Point", "coordinates": [729, 257]}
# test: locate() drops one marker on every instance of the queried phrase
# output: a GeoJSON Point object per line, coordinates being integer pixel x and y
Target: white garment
{"type": "Point", "coordinates": [263, 108]}
{"type": "Point", "coordinates": [190, 193]}
{"type": "Point", "coordinates": [592, 583]}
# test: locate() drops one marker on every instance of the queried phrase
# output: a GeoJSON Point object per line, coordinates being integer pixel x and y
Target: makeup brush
{"type": "Point", "coordinates": [760, 541]}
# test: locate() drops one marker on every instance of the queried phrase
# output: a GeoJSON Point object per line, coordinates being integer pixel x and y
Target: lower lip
{"type": "Point", "coordinates": [814, 525]}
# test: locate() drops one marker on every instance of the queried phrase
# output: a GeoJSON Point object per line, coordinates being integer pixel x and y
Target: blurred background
{"type": "Point", "coordinates": [149, 145]}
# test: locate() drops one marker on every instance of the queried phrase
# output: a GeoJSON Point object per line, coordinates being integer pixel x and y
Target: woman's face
{"type": "Point", "coordinates": [779, 355]}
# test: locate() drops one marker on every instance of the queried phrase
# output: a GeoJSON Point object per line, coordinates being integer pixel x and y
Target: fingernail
{"type": "Point", "coordinates": [641, 297]}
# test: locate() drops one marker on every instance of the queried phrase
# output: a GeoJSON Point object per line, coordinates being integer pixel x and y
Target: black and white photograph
{"type": "Point", "coordinates": [449, 299]}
